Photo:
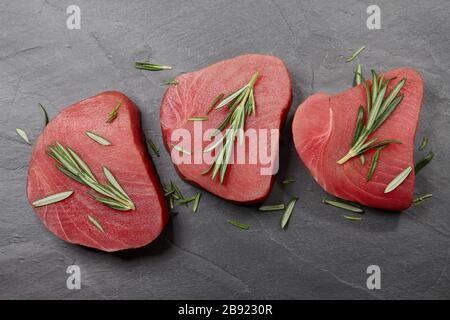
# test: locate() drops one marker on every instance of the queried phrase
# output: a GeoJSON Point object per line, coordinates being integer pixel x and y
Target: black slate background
{"type": "Point", "coordinates": [320, 255]}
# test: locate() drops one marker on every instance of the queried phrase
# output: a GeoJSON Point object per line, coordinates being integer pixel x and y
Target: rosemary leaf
{"type": "Point", "coordinates": [419, 200]}
{"type": "Point", "coordinates": [181, 149]}
{"type": "Point", "coordinates": [145, 65]}
{"type": "Point", "coordinates": [358, 79]}
{"type": "Point", "coordinates": [113, 181]}
{"type": "Point", "coordinates": [216, 100]}
{"type": "Point", "coordinates": [374, 163]}
{"type": "Point", "coordinates": [344, 205]}
{"type": "Point", "coordinates": [423, 144]}
{"type": "Point", "coordinates": [239, 225]}
{"type": "Point", "coordinates": [353, 218]}
{"type": "Point", "coordinates": [359, 125]}
{"type": "Point", "coordinates": [45, 113]}
{"type": "Point", "coordinates": [355, 54]}
{"type": "Point", "coordinates": [198, 119]}
{"type": "Point", "coordinates": [423, 162]}
{"type": "Point", "coordinates": [97, 138]}
{"type": "Point", "coordinates": [398, 180]}
{"type": "Point", "coordinates": [52, 199]}
{"type": "Point", "coordinates": [196, 202]}
{"type": "Point", "coordinates": [153, 147]}
{"type": "Point", "coordinates": [114, 112]}
{"type": "Point", "coordinates": [171, 82]}
{"type": "Point", "coordinates": [23, 135]}
{"type": "Point", "coordinates": [272, 207]}
{"type": "Point", "coordinates": [288, 212]}
{"type": "Point", "coordinates": [287, 181]}
{"type": "Point", "coordinates": [187, 200]}
{"type": "Point", "coordinates": [95, 223]}
{"type": "Point", "coordinates": [362, 159]}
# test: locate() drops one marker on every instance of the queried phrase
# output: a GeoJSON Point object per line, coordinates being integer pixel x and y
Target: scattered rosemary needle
{"type": "Point", "coordinates": [288, 212]}
{"type": "Point", "coordinates": [239, 225]}
{"type": "Point", "coordinates": [344, 205]}
{"type": "Point", "coordinates": [380, 106]}
{"type": "Point", "coordinates": [216, 100]}
{"type": "Point", "coordinates": [198, 119]}
{"type": "Point", "coordinates": [52, 198]}
{"type": "Point", "coordinates": [110, 194]}
{"type": "Point", "coordinates": [112, 115]}
{"type": "Point", "coordinates": [423, 144]}
{"type": "Point", "coordinates": [272, 207]}
{"type": "Point", "coordinates": [181, 149]}
{"type": "Point", "coordinates": [171, 82]}
{"type": "Point", "coordinates": [95, 223]}
{"type": "Point", "coordinates": [419, 200]}
{"type": "Point", "coordinates": [423, 162]}
{"type": "Point", "coordinates": [145, 65]}
{"type": "Point", "coordinates": [287, 181]}
{"type": "Point", "coordinates": [240, 104]}
{"type": "Point", "coordinates": [353, 218]}
{"type": "Point", "coordinates": [398, 180]}
{"type": "Point", "coordinates": [187, 200]}
{"type": "Point", "coordinates": [97, 138]}
{"type": "Point", "coordinates": [23, 135]}
{"type": "Point", "coordinates": [355, 54]}
{"type": "Point", "coordinates": [45, 113]}
{"type": "Point", "coordinates": [196, 202]}
{"type": "Point", "coordinates": [153, 147]}
{"type": "Point", "coordinates": [358, 79]}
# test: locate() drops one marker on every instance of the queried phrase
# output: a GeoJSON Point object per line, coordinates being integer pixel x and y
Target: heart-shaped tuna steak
{"type": "Point", "coordinates": [323, 129]}
{"type": "Point", "coordinates": [244, 182]}
{"type": "Point", "coordinates": [74, 219]}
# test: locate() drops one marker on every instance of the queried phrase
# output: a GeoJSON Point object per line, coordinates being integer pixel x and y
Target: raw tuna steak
{"type": "Point", "coordinates": [193, 96]}
{"type": "Point", "coordinates": [323, 129]}
{"type": "Point", "coordinates": [126, 158]}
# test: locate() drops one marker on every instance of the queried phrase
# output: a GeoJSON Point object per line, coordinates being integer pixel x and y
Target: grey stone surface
{"type": "Point", "coordinates": [321, 255]}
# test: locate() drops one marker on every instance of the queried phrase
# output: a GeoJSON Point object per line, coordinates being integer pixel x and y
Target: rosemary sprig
{"type": "Point", "coordinates": [95, 223]}
{"type": "Point", "coordinates": [239, 225]}
{"type": "Point", "coordinates": [288, 212]}
{"type": "Point", "coordinates": [398, 180]}
{"type": "Point", "coordinates": [344, 205]}
{"type": "Point", "coordinates": [111, 193]}
{"type": "Point", "coordinates": [379, 108]}
{"type": "Point", "coordinates": [355, 54]}
{"type": "Point", "coordinates": [45, 113]}
{"type": "Point", "coordinates": [97, 138]}
{"type": "Point", "coordinates": [423, 162]}
{"type": "Point", "coordinates": [23, 135]}
{"type": "Point", "coordinates": [145, 65]}
{"type": "Point", "coordinates": [153, 147]}
{"type": "Point", "coordinates": [423, 144]}
{"type": "Point", "coordinates": [240, 104]}
{"type": "Point", "coordinates": [112, 115]}
{"type": "Point", "coordinates": [52, 199]}
{"type": "Point", "coordinates": [419, 200]}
